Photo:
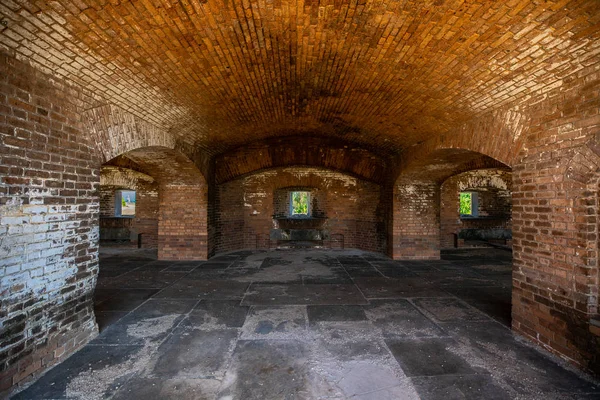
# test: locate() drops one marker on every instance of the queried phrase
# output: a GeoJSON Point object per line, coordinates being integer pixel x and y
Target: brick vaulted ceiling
{"type": "Point", "coordinates": [387, 74]}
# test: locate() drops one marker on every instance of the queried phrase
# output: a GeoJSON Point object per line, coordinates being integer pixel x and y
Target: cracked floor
{"type": "Point", "coordinates": [307, 324]}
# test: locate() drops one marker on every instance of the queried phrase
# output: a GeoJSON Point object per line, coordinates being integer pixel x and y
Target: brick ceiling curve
{"type": "Point", "coordinates": [439, 165]}
{"type": "Point", "coordinates": [312, 151]}
{"type": "Point", "coordinates": [166, 166]}
{"type": "Point", "coordinates": [386, 74]}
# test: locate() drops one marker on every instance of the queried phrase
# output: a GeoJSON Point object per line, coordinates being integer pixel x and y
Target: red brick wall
{"type": "Point", "coordinates": [555, 223]}
{"type": "Point", "coordinates": [49, 174]}
{"type": "Point", "coordinates": [313, 151]}
{"type": "Point", "coordinates": [182, 200]}
{"type": "Point", "coordinates": [107, 201]}
{"type": "Point", "coordinates": [145, 221]}
{"type": "Point", "coordinates": [146, 216]}
{"type": "Point", "coordinates": [182, 222]}
{"type": "Point", "coordinates": [247, 206]}
{"type": "Point", "coordinates": [495, 203]}
{"type": "Point", "coordinates": [416, 220]}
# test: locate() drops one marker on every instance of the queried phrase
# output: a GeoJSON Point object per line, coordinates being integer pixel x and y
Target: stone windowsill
{"type": "Point", "coordinates": [299, 217]}
{"type": "Point", "coordinates": [488, 218]}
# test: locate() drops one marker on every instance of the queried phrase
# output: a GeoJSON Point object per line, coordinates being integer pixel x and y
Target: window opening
{"type": "Point", "coordinates": [125, 203]}
{"type": "Point", "coordinates": [300, 204]}
{"type": "Point", "coordinates": [469, 202]}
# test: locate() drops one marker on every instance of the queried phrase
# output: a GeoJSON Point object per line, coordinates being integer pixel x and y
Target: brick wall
{"type": "Point", "coordinates": [145, 221]}
{"type": "Point", "coordinates": [416, 226]}
{"type": "Point", "coordinates": [146, 216]}
{"type": "Point", "coordinates": [212, 209]}
{"type": "Point", "coordinates": [247, 206]}
{"type": "Point", "coordinates": [495, 203]}
{"type": "Point", "coordinates": [48, 222]}
{"type": "Point", "coordinates": [319, 152]}
{"type": "Point", "coordinates": [555, 222]}
{"type": "Point", "coordinates": [182, 213]}
{"type": "Point", "coordinates": [182, 222]}
{"type": "Point", "coordinates": [107, 201]}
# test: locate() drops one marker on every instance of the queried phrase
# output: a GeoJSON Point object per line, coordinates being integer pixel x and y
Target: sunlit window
{"type": "Point", "coordinates": [125, 203]}
{"type": "Point", "coordinates": [468, 204]}
{"type": "Point", "coordinates": [300, 204]}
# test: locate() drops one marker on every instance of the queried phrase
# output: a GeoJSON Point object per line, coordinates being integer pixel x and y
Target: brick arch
{"type": "Point", "coordinates": [182, 200]}
{"type": "Point", "coordinates": [582, 187]}
{"type": "Point", "coordinates": [166, 165]}
{"type": "Point", "coordinates": [306, 151]}
{"type": "Point", "coordinates": [498, 178]}
{"type": "Point", "coordinates": [442, 163]}
{"type": "Point", "coordinates": [494, 188]}
{"type": "Point", "coordinates": [249, 209]}
{"type": "Point", "coordinates": [498, 135]}
{"type": "Point", "coordinates": [122, 178]}
{"type": "Point", "coordinates": [116, 132]}
{"type": "Point", "coordinates": [416, 198]}
{"type": "Point", "coordinates": [145, 221]}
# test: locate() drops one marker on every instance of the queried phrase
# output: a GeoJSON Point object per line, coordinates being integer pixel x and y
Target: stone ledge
{"type": "Point", "coordinates": [595, 325]}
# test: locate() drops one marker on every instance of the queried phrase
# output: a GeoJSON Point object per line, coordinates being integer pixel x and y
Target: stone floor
{"type": "Point", "coordinates": [307, 325]}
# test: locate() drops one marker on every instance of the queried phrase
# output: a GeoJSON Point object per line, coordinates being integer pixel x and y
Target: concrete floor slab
{"type": "Point", "coordinates": [308, 324]}
{"type": "Point", "coordinates": [396, 288]}
{"type": "Point", "coordinates": [156, 307]}
{"type": "Point", "coordinates": [455, 387]}
{"type": "Point", "coordinates": [105, 319]}
{"type": "Point", "coordinates": [276, 322]}
{"type": "Point", "coordinates": [205, 289]}
{"type": "Point", "coordinates": [127, 330]}
{"type": "Point", "coordinates": [515, 365]}
{"type": "Point", "coordinates": [443, 309]}
{"type": "Point", "coordinates": [57, 383]}
{"type": "Point", "coordinates": [399, 318]}
{"type": "Point", "coordinates": [190, 352]}
{"type": "Point", "coordinates": [428, 357]}
{"type": "Point", "coordinates": [335, 313]}
{"type": "Point", "coordinates": [268, 369]}
{"type": "Point", "coordinates": [290, 294]}
{"type": "Point", "coordinates": [169, 389]}
{"type": "Point", "coordinates": [215, 314]}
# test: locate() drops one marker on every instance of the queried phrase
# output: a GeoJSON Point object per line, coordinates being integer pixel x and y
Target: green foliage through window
{"type": "Point", "coordinates": [466, 203]}
{"type": "Point", "coordinates": [299, 203]}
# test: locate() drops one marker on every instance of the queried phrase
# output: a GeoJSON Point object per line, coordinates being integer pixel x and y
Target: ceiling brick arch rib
{"type": "Point", "coordinates": [166, 166]}
{"type": "Point", "coordinates": [441, 164]}
{"type": "Point", "coordinates": [496, 138]}
{"type": "Point", "coordinates": [122, 178]}
{"type": "Point", "coordinates": [300, 151]}
{"type": "Point", "coordinates": [117, 131]}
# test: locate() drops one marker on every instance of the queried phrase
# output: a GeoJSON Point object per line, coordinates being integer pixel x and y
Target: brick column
{"type": "Point", "coordinates": [416, 230]}
{"type": "Point", "coordinates": [182, 222]}
{"type": "Point", "coordinates": [49, 207]}
{"type": "Point", "coordinates": [450, 222]}
{"type": "Point", "coordinates": [555, 271]}
{"type": "Point", "coordinates": [146, 211]}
